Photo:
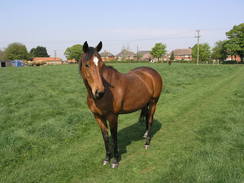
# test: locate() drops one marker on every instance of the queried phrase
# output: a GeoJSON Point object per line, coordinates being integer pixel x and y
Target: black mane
{"type": "Point", "coordinates": [110, 67]}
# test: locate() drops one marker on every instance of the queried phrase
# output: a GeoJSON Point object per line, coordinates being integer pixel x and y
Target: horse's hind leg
{"type": "Point", "coordinates": [143, 114]}
{"type": "Point", "coordinates": [150, 114]}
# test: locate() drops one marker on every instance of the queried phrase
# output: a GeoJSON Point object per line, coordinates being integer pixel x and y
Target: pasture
{"type": "Point", "coordinates": [47, 133]}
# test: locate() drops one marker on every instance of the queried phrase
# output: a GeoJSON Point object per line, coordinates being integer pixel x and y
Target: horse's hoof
{"type": "Point", "coordinates": [115, 165]}
{"type": "Point", "coordinates": [105, 162]}
{"type": "Point", "coordinates": [146, 146]}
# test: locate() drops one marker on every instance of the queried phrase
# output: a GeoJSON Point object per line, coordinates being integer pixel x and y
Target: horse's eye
{"type": "Point", "coordinates": [87, 65]}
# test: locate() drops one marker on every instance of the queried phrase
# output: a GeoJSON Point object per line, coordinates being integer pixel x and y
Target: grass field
{"type": "Point", "coordinates": [47, 134]}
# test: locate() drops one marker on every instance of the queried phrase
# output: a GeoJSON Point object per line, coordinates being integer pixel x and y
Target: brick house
{"type": "Point", "coordinates": [182, 54]}
{"type": "Point", "coordinates": [107, 56]}
{"type": "Point", "coordinates": [46, 61]}
{"type": "Point", "coordinates": [234, 57]}
{"type": "Point", "coordinates": [126, 55]}
{"type": "Point", "coordinates": [71, 61]}
{"type": "Point", "coordinates": [145, 55]}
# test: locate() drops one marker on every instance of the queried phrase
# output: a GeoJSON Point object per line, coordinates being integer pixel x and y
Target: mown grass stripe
{"type": "Point", "coordinates": [198, 128]}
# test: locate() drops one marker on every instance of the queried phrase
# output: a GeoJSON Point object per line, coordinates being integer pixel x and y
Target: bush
{"type": "Point", "coordinates": [230, 62]}
{"type": "Point", "coordinates": [183, 61]}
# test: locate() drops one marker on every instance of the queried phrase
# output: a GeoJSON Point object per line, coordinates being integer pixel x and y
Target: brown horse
{"type": "Point", "coordinates": [111, 93]}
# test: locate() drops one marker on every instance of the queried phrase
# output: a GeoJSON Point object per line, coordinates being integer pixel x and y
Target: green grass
{"type": "Point", "coordinates": [47, 133]}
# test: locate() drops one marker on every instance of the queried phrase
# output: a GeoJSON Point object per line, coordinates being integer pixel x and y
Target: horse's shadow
{"type": "Point", "coordinates": [134, 132]}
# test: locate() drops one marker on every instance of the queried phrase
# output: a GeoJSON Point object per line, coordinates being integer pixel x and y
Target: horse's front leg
{"type": "Point", "coordinates": [104, 129]}
{"type": "Point", "coordinates": [113, 123]}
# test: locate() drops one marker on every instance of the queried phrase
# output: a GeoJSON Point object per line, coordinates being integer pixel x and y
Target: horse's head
{"type": "Point", "coordinates": [91, 67]}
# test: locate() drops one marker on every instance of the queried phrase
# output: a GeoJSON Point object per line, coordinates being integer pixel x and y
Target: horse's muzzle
{"type": "Point", "coordinates": [99, 94]}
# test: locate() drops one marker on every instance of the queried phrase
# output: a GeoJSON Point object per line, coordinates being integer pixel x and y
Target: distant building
{"type": "Point", "coordinates": [145, 55]}
{"type": "Point", "coordinates": [233, 57]}
{"type": "Point", "coordinates": [107, 56]}
{"type": "Point", "coordinates": [166, 57]}
{"type": "Point", "coordinates": [46, 61]}
{"type": "Point", "coordinates": [14, 63]}
{"type": "Point", "coordinates": [72, 61]}
{"type": "Point", "coordinates": [4, 63]}
{"type": "Point", "coordinates": [17, 63]}
{"type": "Point", "coordinates": [182, 54]}
{"type": "Point", "coordinates": [126, 55]}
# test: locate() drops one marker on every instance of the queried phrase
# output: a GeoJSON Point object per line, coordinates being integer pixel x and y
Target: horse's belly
{"type": "Point", "coordinates": [135, 102]}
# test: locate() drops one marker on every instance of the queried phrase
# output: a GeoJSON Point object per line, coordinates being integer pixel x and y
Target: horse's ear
{"type": "Point", "coordinates": [85, 47]}
{"type": "Point", "coordinates": [99, 46]}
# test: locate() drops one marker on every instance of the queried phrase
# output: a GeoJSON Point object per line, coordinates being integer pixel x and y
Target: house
{"type": "Point", "coordinates": [236, 58]}
{"type": "Point", "coordinates": [46, 61]}
{"type": "Point", "coordinates": [4, 63]}
{"type": "Point", "coordinates": [145, 55]}
{"type": "Point", "coordinates": [17, 63]}
{"type": "Point", "coordinates": [107, 56]}
{"type": "Point", "coordinates": [183, 54]}
{"type": "Point", "coordinates": [14, 63]}
{"type": "Point", "coordinates": [72, 61]}
{"type": "Point", "coordinates": [166, 57]}
{"type": "Point", "coordinates": [126, 55]}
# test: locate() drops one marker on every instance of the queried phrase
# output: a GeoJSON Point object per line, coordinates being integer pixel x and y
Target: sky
{"type": "Point", "coordinates": [132, 24]}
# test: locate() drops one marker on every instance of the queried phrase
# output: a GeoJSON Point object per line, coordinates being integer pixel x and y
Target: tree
{"type": "Point", "coordinates": [16, 51]}
{"type": "Point", "coordinates": [204, 52]}
{"type": "Point", "coordinates": [219, 52]}
{"type": "Point", "coordinates": [74, 52]}
{"type": "Point", "coordinates": [172, 56]}
{"type": "Point", "coordinates": [235, 43]}
{"type": "Point", "coordinates": [1, 55]}
{"type": "Point", "coordinates": [158, 50]}
{"type": "Point", "coordinates": [39, 51]}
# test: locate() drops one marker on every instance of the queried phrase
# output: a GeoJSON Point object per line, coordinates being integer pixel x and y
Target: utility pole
{"type": "Point", "coordinates": [128, 46]}
{"type": "Point", "coordinates": [198, 37]}
{"type": "Point", "coordinates": [137, 49]}
{"type": "Point", "coordinates": [55, 54]}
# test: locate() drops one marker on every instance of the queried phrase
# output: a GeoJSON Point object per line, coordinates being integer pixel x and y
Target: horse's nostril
{"type": "Point", "coordinates": [99, 94]}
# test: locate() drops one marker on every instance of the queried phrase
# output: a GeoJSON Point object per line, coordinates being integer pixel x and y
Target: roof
{"type": "Point", "coordinates": [182, 52]}
{"type": "Point", "coordinates": [16, 61]}
{"type": "Point", "coordinates": [144, 52]}
{"type": "Point", "coordinates": [126, 53]}
{"type": "Point", "coordinates": [46, 59]}
{"type": "Point", "coordinates": [106, 54]}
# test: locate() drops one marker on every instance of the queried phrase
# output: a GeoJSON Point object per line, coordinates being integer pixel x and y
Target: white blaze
{"type": "Point", "coordinates": [95, 60]}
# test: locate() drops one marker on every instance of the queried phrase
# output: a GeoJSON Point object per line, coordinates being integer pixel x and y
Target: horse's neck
{"type": "Point", "coordinates": [109, 73]}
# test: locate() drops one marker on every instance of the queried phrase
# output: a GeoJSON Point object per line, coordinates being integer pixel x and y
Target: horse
{"type": "Point", "coordinates": [111, 93]}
